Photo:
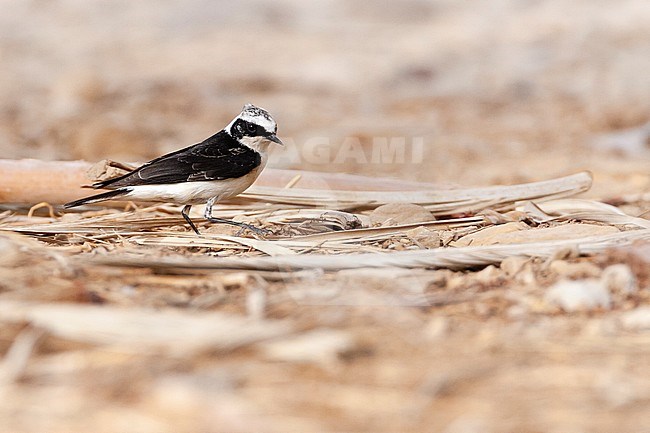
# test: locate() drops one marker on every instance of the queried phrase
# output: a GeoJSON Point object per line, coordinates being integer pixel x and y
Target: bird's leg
{"type": "Point", "coordinates": [208, 216]}
{"type": "Point", "coordinates": [185, 212]}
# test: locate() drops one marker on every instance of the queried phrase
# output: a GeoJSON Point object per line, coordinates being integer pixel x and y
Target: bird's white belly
{"type": "Point", "coordinates": [193, 192]}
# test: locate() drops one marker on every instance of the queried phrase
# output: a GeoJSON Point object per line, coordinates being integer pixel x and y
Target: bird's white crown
{"type": "Point", "coordinates": [256, 115]}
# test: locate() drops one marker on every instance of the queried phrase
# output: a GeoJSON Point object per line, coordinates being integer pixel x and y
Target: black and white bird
{"type": "Point", "coordinates": [218, 168]}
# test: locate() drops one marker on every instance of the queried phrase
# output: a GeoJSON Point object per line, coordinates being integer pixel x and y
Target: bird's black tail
{"type": "Point", "coordinates": [96, 198]}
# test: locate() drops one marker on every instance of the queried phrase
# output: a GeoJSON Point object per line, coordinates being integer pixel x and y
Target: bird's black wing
{"type": "Point", "coordinates": [218, 157]}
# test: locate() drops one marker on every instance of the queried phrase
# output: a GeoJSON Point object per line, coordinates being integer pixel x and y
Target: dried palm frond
{"type": "Point", "coordinates": [453, 258]}
{"type": "Point", "coordinates": [441, 202]}
{"type": "Point", "coordinates": [583, 210]}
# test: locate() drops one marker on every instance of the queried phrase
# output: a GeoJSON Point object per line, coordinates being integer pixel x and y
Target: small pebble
{"type": "Point", "coordinates": [579, 295]}
{"type": "Point", "coordinates": [619, 279]}
{"type": "Point", "coordinates": [637, 319]}
{"type": "Point", "coordinates": [437, 328]}
{"type": "Point", "coordinates": [514, 264]}
{"type": "Point", "coordinates": [574, 270]}
{"type": "Point", "coordinates": [392, 214]}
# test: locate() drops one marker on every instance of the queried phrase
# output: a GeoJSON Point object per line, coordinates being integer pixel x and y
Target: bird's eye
{"type": "Point", "coordinates": [251, 127]}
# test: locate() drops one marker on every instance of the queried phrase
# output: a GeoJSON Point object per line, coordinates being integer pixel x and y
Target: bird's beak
{"type": "Point", "coordinates": [274, 138]}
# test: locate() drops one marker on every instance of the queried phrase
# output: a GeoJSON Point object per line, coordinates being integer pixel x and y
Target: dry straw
{"type": "Point", "coordinates": [329, 229]}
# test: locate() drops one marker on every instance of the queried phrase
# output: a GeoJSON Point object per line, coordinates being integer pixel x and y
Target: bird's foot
{"type": "Point", "coordinates": [242, 227]}
{"type": "Point", "coordinates": [256, 230]}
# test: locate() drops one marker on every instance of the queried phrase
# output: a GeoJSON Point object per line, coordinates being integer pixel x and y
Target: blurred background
{"type": "Point", "coordinates": [499, 91]}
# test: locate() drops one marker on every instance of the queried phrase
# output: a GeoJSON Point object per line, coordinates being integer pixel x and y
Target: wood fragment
{"type": "Point", "coordinates": [175, 333]}
{"type": "Point", "coordinates": [30, 181]}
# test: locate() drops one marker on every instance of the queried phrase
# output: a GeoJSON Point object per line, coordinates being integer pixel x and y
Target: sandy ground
{"type": "Point", "coordinates": [494, 92]}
